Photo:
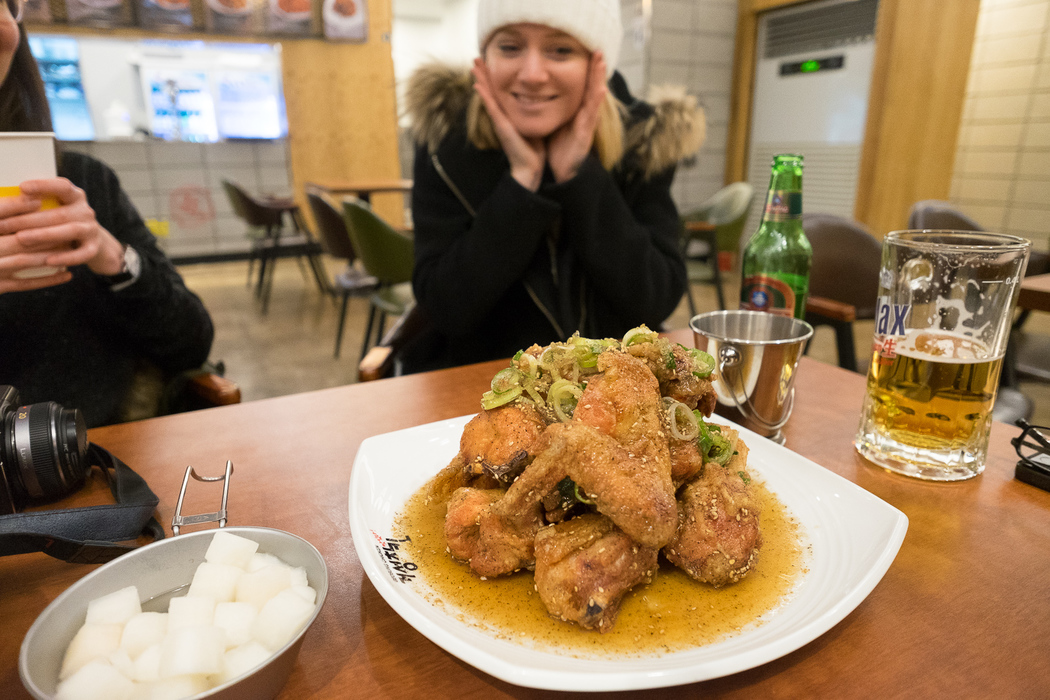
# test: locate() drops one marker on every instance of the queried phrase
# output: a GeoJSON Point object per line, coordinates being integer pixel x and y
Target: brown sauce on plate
{"type": "Point", "coordinates": [670, 614]}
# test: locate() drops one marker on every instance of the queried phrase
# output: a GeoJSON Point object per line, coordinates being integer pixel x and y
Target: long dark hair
{"type": "Point", "coordinates": [23, 103]}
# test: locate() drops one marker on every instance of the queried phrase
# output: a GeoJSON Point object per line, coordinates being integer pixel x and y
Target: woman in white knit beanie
{"type": "Point", "coordinates": [542, 191]}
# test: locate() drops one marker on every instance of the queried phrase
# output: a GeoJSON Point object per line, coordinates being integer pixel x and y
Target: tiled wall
{"type": "Point", "coordinates": [181, 183]}
{"type": "Point", "coordinates": [691, 44]}
{"type": "Point", "coordinates": [1002, 163]}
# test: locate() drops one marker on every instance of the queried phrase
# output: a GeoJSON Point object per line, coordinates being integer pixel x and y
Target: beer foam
{"type": "Point", "coordinates": [943, 346]}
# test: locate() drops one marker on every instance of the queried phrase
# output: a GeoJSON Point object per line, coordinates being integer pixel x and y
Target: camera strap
{"type": "Point", "coordinates": [88, 535]}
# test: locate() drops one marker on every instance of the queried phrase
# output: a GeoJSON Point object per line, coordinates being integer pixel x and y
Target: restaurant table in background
{"type": "Point", "coordinates": [962, 611]}
{"type": "Point", "coordinates": [363, 189]}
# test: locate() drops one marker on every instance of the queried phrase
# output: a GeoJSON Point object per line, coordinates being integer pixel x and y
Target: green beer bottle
{"type": "Point", "coordinates": [777, 258]}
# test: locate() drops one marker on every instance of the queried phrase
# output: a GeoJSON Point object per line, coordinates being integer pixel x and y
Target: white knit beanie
{"type": "Point", "coordinates": [594, 23]}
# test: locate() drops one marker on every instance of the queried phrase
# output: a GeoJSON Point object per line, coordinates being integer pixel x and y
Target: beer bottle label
{"type": "Point", "coordinates": [783, 205]}
{"type": "Point", "coordinates": [766, 293]}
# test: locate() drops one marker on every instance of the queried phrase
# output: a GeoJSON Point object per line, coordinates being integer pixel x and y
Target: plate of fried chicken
{"type": "Point", "coordinates": [592, 466]}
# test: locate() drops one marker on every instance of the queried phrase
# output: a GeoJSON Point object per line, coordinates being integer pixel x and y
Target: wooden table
{"type": "Point", "coordinates": [1035, 293]}
{"type": "Point", "coordinates": [364, 188]}
{"type": "Point", "coordinates": [962, 612]}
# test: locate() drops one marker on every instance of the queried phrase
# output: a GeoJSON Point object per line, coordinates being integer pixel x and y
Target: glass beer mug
{"type": "Point", "coordinates": [941, 327]}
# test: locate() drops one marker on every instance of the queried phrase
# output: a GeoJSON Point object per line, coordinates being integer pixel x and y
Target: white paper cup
{"type": "Point", "coordinates": [27, 156]}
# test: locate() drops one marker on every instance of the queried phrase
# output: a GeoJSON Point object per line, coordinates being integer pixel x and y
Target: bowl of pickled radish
{"type": "Point", "coordinates": [209, 614]}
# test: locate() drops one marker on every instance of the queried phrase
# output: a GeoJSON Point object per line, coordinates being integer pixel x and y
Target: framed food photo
{"type": "Point", "coordinates": [240, 17]}
{"type": "Point", "coordinates": [169, 15]}
{"type": "Point", "coordinates": [291, 17]}
{"type": "Point", "coordinates": [345, 20]}
{"type": "Point", "coordinates": [100, 13]}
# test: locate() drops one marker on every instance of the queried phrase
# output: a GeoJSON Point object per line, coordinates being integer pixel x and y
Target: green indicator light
{"type": "Point", "coordinates": [809, 66]}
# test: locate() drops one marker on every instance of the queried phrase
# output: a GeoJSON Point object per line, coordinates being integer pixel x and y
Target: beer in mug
{"type": "Point", "coordinates": [941, 328]}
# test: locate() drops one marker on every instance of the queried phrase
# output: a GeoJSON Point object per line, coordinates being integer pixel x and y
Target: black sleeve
{"type": "Point", "coordinates": [629, 246]}
{"type": "Point", "coordinates": [156, 314]}
{"type": "Point", "coordinates": [465, 264]}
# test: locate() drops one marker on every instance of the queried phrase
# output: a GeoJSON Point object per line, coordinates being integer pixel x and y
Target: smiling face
{"type": "Point", "coordinates": [538, 75]}
{"type": "Point", "coordinates": [8, 40]}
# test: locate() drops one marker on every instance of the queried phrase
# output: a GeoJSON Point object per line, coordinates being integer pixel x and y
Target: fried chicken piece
{"type": "Point", "coordinates": [686, 460]}
{"type": "Point", "coordinates": [718, 536]}
{"type": "Point", "coordinates": [462, 519]}
{"type": "Point", "coordinates": [673, 366]}
{"type": "Point", "coordinates": [498, 441]}
{"type": "Point", "coordinates": [585, 566]}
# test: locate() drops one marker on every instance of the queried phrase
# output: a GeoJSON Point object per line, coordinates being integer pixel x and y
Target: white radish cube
{"type": "Point", "coordinates": [143, 630]}
{"type": "Point", "coordinates": [242, 659]}
{"type": "Point", "coordinates": [215, 581]}
{"type": "Point", "coordinates": [177, 687]}
{"type": "Point", "coordinates": [91, 641]}
{"type": "Point", "coordinates": [260, 560]}
{"type": "Point", "coordinates": [147, 665]}
{"type": "Point", "coordinates": [259, 586]}
{"type": "Point", "coordinates": [299, 577]}
{"type": "Point", "coordinates": [236, 620]}
{"type": "Point", "coordinates": [281, 619]}
{"type": "Point", "coordinates": [229, 549]}
{"type": "Point", "coordinates": [120, 660]}
{"type": "Point", "coordinates": [190, 611]}
{"type": "Point", "coordinates": [115, 608]}
{"type": "Point", "coordinates": [306, 593]}
{"type": "Point", "coordinates": [192, 651]}
{"type": "Point", "coordinates": [95, 681]}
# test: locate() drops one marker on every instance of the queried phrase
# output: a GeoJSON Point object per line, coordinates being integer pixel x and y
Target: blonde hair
{"type": "Point", "coordinates": [608, 134]}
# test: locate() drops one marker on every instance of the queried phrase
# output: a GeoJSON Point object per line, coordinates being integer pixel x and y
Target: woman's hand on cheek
{"type": "Point", "coordinates": [569, 146]}
{"type": "Point", "coordinates": [68, 234]}
{"type": "Point", "coordinates": [527, 158]}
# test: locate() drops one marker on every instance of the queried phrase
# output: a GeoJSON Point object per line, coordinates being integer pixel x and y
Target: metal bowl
{"type": "Point", "coordinates": [153, 569]}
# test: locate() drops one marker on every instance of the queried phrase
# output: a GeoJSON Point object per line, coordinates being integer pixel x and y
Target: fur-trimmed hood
{"type": "Point", "coordinates": [670, 128]}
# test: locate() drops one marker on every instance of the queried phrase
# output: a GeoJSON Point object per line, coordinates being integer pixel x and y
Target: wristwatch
{"type": "Point", "coordinates": [128, 273]}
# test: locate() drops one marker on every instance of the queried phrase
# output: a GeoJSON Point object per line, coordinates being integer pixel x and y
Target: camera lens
{"type": "Point", "coordinates": [49, 447]}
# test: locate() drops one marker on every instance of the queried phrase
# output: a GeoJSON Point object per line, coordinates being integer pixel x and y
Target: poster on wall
{"type": "Point", "coordinates": [100, 13]}
{"type": "Point", "coordinates": [242, 17]}
{"type": "Point", "coordinates": [290, 17]}
{"type": "Point", "coordinates": [37, 12]}
{"type": "Point", "coordinates": [345, 20]}
{"type": "Point", "coordinates": [165, 14]}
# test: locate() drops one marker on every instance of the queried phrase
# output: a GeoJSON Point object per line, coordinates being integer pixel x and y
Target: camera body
{"type": "Point", "coordinates": [43, 451]}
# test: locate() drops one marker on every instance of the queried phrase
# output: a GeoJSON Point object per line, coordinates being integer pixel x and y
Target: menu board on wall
{"type": "Point", "coordinates": [290, 17]}
{"type": "Point", "coordinates": [240, 17]}
{"type": "Point", "coordinates": [165, 14]}
{"type": "Point", "coordinates": [345, 20]}
{"type": "Point", "coordinates": [37, 12]}
{"type": "Point", "coordinates": [100, 13]}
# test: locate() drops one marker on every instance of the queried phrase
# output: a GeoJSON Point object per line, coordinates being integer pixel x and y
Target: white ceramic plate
{"type": "Point", "coordinates": [853, 535]}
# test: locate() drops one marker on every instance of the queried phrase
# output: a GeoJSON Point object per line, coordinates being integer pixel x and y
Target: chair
{"type": "Point", "coordinates": [387, 255]}
{"type": "Point", "coordinates": [268, 214]}
{"type": "Point", "coordinates": [335, 239]}
{"type": "Point", "coordinates": [155, 393]}
{"type": "Point", "coordinates": [714, 227]}
{"type": "Point", "coordinates": [843, 278]}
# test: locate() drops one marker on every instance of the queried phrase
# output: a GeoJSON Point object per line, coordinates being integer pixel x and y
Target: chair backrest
{"type": "Point", "coordinates": [245, 206]}
{"type": "Point", "coordinates": [386, 254]}
{"type": "Point", "coordinates": [331, 226]}
{"type": "Point", "coordinates": [730, 204]}
{"type": "Point", "coordinates": [846, 261]}
{"type": "Point", "coordinates": [935, 214]}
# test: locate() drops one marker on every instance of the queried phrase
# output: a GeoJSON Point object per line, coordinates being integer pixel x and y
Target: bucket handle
{"type": "Point", "coordinates": [219, 516]}
{"type": "Point", "coordinates": [729, 356]}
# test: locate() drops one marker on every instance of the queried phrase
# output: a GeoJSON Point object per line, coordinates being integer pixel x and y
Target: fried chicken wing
{"type": "Point", "coordinates": [718, 537]}
{"type": "Point", "coordinates": [673, 366]}
{"type": "Point", "coordinates": [584, 566]}
{"type": "Point", "coordinates": [462, 519]}
{"type": "Point", "coordinates": [498, 441]}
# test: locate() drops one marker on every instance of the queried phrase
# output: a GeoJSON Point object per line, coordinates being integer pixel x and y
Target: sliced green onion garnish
{"type": "Point", "coordinates": [505, 380]}
{"type": "Point", "coordinates": [491, 399]}
{"type": "Point", "coordinates": [703, 363]}
{"type": "Point", "coordinates": [579, 496]}
{"type": "Point", "coordinates": [562, 398]}
{"type": "Point", "coordinates": [641, 334]}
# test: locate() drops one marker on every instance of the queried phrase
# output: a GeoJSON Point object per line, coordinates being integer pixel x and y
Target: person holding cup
{"type": "Point", "coordinates": [87, 298]}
